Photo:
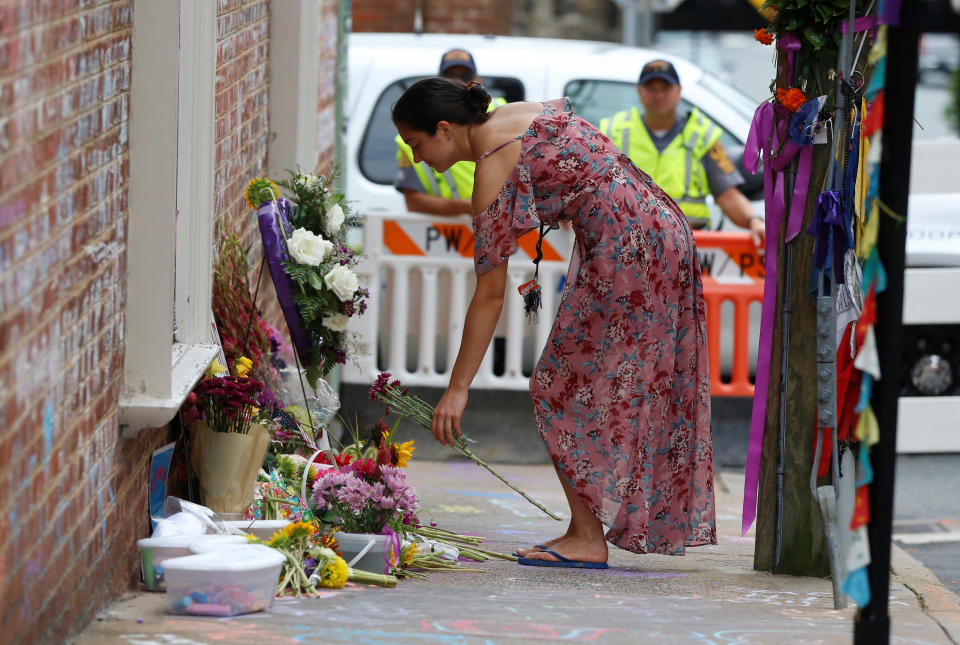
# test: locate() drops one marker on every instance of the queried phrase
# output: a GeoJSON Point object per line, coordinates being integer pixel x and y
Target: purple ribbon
{"type": "Point", "coordinates": [828, 227]}
{"type": "Point", "coordinates": [789, 41]}
{"type": "Point", "coordinates": [859, 24]}
{"type": "Point", "coordinates": [763, 139]}
{"type": "Point", "coordinates": [760, 141]}
{"type": "Point", "coordinates": [274, 221]}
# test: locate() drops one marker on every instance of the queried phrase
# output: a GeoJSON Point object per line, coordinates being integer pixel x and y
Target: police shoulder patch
{"type": "Point", "coordinates": [719, 155]}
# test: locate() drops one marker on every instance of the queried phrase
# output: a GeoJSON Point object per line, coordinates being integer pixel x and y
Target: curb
{"type": "Point", "coordinates": [938, 602]}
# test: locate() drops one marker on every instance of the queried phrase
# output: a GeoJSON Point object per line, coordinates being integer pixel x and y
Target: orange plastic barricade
{"type": "Point", "coordinates": [743, 287]}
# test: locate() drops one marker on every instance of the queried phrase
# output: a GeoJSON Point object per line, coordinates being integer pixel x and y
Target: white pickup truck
{"type": "Point", "coordinates": [929, 410]}
{"type": "Point", "coordinates": [600, 79]}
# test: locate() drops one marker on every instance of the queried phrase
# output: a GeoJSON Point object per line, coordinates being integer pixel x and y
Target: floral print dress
{"type": "Point", "coordinates": [621, 390]}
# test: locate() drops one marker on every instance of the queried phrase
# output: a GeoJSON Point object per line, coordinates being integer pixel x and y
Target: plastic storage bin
{"type": "Point", "coordinates": [237, 580]}
{"type": "Point", "coordinates": [154, 551]}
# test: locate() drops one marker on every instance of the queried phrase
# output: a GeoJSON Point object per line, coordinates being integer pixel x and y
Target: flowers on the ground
{"type": "Point", "coordinates": [228, 403]}
{"type": "Point", "coordinates": [329, 569]}
{"type": "Point", "coordinates": [399, 400]}
{"type": "Point", "coordinates": [363, 497]}
{"type": "Point", "coordinates": [310, 563]}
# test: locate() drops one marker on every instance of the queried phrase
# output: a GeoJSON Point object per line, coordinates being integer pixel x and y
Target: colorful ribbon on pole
{"type": "Point", "coordinates": [764, 138]}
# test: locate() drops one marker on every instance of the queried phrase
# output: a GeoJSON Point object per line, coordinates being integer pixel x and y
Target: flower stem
{"type": "Point", "coordinates": [421, 412]}
{"type": "Point", "coordinates": [368, 578]}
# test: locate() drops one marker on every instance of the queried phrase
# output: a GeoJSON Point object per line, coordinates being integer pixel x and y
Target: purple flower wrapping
{"type": "Point", "coordinates": [274, 221]}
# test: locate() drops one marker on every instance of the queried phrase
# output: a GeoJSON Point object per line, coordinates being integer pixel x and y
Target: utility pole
{"type": "Point", "coordinates": [790, 531]}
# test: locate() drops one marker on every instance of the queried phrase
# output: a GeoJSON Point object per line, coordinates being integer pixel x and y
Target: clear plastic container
{"type": "Point", "coordinates": [154, 551]}
{"type": "Point", "coordinates": [238, 580]}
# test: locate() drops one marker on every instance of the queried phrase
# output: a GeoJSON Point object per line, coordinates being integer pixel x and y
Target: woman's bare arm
{"type": "Point", "coordinates": [481, 321]}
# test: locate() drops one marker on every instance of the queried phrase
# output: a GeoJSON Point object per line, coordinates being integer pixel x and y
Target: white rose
{"type": "Point", "coordinates": [342, 281]}
{"type": "Point", "coordinates": [336, 322]}
{"type": "Point", "coordinates": [308, 248]}
{"type": "Point", "coordinates": [334, 220]}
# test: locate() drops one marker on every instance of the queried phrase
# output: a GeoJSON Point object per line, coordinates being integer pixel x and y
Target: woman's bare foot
{"type": "Point", "coordinates": [572, 548]}
{"type": "Point", "coordinates": [549, 543]}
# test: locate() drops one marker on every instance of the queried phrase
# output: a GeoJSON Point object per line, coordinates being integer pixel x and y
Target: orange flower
{"type": "Point", "coordinates": [762, 36]}
{"type": "Point", "coordinates": [792, 99]}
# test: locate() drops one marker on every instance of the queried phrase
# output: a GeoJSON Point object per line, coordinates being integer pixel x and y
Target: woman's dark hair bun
{"type": "Point", "coordinates": [477, 98]}
{"type": "Point", "coordinates": [435, 99]}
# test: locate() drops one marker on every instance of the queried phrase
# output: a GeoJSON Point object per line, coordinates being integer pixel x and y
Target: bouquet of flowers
{"type": "Point", "coordinates": [326, 290]}
{"type": "Point", "coordinates": [398, 399]}
{"type": "Point", "coordinates": [380, 447]}
{"type": "Point", "coordinates": [228, 402]}
{"type": "Point", "coordinates": [364, 497]}
{"type": "Point", "coordinates": [227, 441]}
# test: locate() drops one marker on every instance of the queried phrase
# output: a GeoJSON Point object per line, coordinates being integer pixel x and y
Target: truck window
{"type": "Point", "coordinates": [378, 152]}
{"type": "Point", "coordinates": [595, 100]}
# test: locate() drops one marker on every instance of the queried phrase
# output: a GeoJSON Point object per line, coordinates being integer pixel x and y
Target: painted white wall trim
{"type": "Point", "coordinates": [293, 87]}
{"type": "Point", "coordinates": [195, 170]}
{"type": "Point", "coordinates": [174, 54]}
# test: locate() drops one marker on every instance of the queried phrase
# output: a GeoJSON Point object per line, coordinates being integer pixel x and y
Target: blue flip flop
{"type": "Point", "coordinates": [535, 546]}
{"type": "Point", "coordinates": [561, 562]}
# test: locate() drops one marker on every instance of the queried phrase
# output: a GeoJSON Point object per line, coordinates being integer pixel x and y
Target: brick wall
{"type": "Point", "coordinates": [69, 485]}
{"type": "Point", "coordinates": [327, 54]}
{"type": "Point", "coordinates": [243, 30]}
{"type": "Point", "coordinates": [439, 16]}
{"type": "Point", "coordinates": [74, 494]}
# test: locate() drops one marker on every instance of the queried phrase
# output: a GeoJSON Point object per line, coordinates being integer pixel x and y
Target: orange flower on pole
{"type": "Point", "coordinates": [761, 36]}
{"type": "Point", "coordinates": [792, 99]}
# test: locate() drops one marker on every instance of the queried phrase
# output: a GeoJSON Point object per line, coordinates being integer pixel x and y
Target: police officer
{"type": "Point", "coordinates": [684, 156]}
{"type": "Point", "coordinates": [424, 189]}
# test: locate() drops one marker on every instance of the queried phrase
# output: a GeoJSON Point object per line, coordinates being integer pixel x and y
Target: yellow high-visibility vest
{"type": "Point", "coordinates": [456, 182]}
{"type": "Point", "coordinates": [678, 170]}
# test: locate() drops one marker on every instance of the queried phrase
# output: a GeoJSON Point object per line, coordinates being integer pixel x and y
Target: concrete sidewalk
{"type": "Point", "coordinates": [712, 595]}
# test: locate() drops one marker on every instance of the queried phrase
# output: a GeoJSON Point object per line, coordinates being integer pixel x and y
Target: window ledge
{"type": "Point", "coordinates": [139, 410]}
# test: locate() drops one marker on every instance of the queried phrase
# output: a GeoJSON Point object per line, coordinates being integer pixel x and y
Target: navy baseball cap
{"type": "Point", "coordinates": [457, 58]}
{"type": "Point", "coordinates": [659, 69]}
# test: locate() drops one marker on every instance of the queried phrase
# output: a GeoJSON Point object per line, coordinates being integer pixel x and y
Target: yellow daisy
{"type": "Point", "coordinates": [402, 452]}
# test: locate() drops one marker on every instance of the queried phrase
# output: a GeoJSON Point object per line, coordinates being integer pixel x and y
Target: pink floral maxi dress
{"type": "Point", "coordinates": [621, 390]}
